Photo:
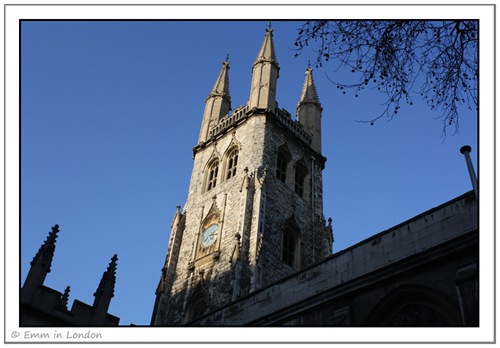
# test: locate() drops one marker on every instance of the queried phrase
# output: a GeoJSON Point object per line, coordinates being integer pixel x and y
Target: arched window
{"type": "Point", "coordinates": [300, 177]}
{"type": "Point", "coordinates": [232, 163]}
{"type": "Point", "coordinates": [196, 309]}
{"type": "Point", "coordinates": [415, 306]}
{"type": "Point", "coordinates": [417, 315]}
{"type": "Point", "coordinates": [213, 170]}
{"type": "Point", "coordinates": [291, 247]}
{"type": "Point", "coordinates": [197, 305]}
{"type": "Point", "coordinates": [282, 165]}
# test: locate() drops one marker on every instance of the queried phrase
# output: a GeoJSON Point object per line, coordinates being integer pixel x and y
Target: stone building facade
{"type": "Point", "coordinates": [254, 212]}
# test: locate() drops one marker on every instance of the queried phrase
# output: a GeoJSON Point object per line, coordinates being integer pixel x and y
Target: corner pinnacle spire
{"type": "Point", "coordinates": [40, 265]}
{"type": "Point", "coordinates": [265, 74]}
{"type": "Point", "coordinates": [46, 251]}
{"type": "Point", "coordinates": [309, 110]}
{"type": "Point", "coordinates": [221, 86]}
{"type": "Point", "coordinates": [309, 93]}
{"type": "Point", "coordinates": [106, 288]}
{"type": "Point", "coordinates": [218, 102]}
{"type": "Point", "coordinates": [267, 52]}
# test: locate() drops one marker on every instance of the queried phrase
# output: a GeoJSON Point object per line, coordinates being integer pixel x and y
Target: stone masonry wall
{"type": "Point", "coordinates": [282, 204]}
{"type": "Point", "coordinates": [438, 226]}
{"type": "Point", "coordinates": [229, 199]}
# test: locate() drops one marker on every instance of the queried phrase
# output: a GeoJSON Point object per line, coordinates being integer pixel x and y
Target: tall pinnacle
{"type": "Point", "coordinates": [218, 102]}
{"type": "Point", "coordinates": [40, 266]}
{"type": "Point", "coordinates": [46, 252]}
{"type": "Point", "coordinates": [106, 288]}
{"type": "Point", "coordinates": [309, 94]}
{"type": "Point", "coordinates": [309, 111]}
{"type": "Point", "coordinates": [221, 86]}
{"type": "Point", "coordinates": [267, 52]}
{"type": "Point", "coordinates": [265, 73]}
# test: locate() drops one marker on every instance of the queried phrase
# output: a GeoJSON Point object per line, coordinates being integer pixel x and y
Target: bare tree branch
{"type": "Point", "coordinates": [436, 59]}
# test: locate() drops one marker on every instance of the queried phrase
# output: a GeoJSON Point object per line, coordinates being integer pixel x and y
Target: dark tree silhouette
{"type": "Point", "coordinates": [437, 60]}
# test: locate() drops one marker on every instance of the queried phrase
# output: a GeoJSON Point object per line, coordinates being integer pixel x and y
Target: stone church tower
{"type": "Point", "coordinates": [254, 212]}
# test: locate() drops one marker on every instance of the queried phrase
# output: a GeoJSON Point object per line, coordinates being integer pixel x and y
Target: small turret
{"type": "Point", "coordinates": [309, 111]}
{"type": "Point", "coordinates": [217, 104]}
{"type": "Point", "coordinates": [265, 73]}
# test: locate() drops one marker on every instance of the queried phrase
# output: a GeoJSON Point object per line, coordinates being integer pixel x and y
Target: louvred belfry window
{"type": "Point", "coordinates": [232, 163]}
{"type": "Point", "coordinates": [212, 175]}
{"type": "Point", "coordinates": [290, 253]}
{"type": "Point", "coordinates": [281, 166]}
{"type": "Point", "coordinates": [288, 247]}
{"type": "Point", "coordinates": [300, 176]}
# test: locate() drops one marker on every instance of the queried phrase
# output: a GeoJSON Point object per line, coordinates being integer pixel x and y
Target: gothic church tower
{"type": "Point", "coordinates": [254, 211]}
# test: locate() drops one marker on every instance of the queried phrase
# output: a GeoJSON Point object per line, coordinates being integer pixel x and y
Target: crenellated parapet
{"type": "Point", "coordinates": [230, 122]}
{"type": "Point", "coordinates": [293, 126]}
{"type": "Point", "coordinates": [243, 113]}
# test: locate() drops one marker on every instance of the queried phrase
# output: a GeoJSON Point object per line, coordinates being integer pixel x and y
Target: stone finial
{"type": "Point", "coordinates": [267, 51]}
{"type": "Point", "coordinates": [63, 301]}
{"type": "Point", "coordinates": [221, 86]}
{"type": "Point", "coordinates": [177, 216]}
{"type": "Point", "coordinates": [260, 181]}
{"type": "Point", "coordinates": [246, 180]}
{"type": "Point", "coordinates": [45, 254]}
{"type": "Point", "coordinates": [309, 93]}
{"type": "Point", "coordinates": [106, 288]}
{"type": "Point", "coordinates": [259, 247]}
{"type": "Point", "coordinates": [235, 255]}
{"type": "Point", "coordinates": [330, 230]}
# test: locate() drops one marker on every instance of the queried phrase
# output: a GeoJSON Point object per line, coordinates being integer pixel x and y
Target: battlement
{"type": "Point", "coordinates": [294, 126]}
{"type": "Point", "coordinates": [243, 112]}
{"type": "Point", "coordinates": [229, 121]}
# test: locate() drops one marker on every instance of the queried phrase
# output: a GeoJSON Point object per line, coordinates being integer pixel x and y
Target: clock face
{"type": "Point", "coordinates": [209, 235]}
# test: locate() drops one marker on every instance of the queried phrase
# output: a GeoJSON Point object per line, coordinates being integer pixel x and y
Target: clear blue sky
{"type": "Point", "coordinates": [111, 111]}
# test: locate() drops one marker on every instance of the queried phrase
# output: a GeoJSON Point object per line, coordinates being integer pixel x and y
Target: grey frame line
{"type": "Point", "coordinates": [261, 5]}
